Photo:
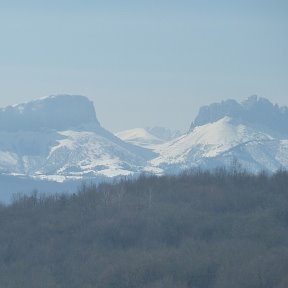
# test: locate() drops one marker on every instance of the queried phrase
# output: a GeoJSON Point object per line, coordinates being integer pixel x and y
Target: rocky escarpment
{"type": "Point", "coordinates": [255, 110]}
{"type": "Point", "coordinates": [57, 112]}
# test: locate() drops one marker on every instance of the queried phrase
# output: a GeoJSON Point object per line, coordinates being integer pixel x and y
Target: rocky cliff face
{"type": "Point", "coordinates": [256, 111]}
{"type": "Point", "coordinates": [59, 112]}
{"type": "Point", "coordinates": [59, 137]}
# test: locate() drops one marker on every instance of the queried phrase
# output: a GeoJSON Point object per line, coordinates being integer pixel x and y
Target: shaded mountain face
{"type": "Point", "coordinates": [256, 111]}
{"type": "Point", "coordinates": [59, 112]}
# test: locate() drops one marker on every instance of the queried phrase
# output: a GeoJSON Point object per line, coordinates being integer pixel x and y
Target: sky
{"type": "Point", "coordinates": [144, 63]}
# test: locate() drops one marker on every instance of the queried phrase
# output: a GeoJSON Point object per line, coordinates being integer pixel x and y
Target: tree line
{"type": "Point", "coordinates": [196, 229]}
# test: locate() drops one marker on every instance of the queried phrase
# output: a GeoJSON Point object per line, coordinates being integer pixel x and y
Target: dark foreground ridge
{"type": "Point", "coordinates": [197, 229]}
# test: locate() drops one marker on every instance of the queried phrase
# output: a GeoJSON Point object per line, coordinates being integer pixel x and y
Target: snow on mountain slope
{"type": "Point", "coordinates": [65, 139]}
{"type": "Point", "coordinates": [60, 138]}
{"type": "Point", "coordinates": [255, 111]}
{"type": "Point", "coordinates": [140, 137]}
{"type": "Point", "coordinates": [150, 137]}
{"type": "Point", "coordinates": [218, 144]}
{"type": "Point", "coordinates": [81, 153]}
{"type": "Point", "coordinates": [254, 132]}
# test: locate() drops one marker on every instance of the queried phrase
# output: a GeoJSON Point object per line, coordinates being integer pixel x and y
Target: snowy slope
{"type": "Point", "coordinates": [140, 137]}
{"type": "Point", "coordinates": [216, 139]}
{"type": "Point", "coordinates": [74, 146]}
{"type": "Point", "coordinates": [150, 137]}
{"type": "Point", "coordinates": [60, 138]}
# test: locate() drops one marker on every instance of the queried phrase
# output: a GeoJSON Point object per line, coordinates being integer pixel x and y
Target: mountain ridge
{"type": "Point", "coordinates": [69, 142]}
{"type": "Point", "coordinates": [253, 110]}
{"type": "Point", "coordinates": [81, 148]}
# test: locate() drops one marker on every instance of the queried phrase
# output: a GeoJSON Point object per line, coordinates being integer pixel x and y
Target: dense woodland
{"type": "Point", "coordinates": [198, 229]}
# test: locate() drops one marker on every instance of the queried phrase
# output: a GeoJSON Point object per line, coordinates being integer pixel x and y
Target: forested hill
{"type": "Point", "coordinates": [197, 229]}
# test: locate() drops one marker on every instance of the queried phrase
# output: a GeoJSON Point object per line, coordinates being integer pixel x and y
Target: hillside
{"type": "Point", "coordinates": [198, 229]}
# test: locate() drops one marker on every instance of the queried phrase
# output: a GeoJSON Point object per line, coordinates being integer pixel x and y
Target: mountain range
{"type": "Point", "coordinates": [59, 138]}
{"type": "Point", "coordinates": [253, 133]}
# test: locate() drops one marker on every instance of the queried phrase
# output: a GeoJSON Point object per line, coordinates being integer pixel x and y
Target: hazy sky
{"type": "Point", "coordinates": [147, 62]}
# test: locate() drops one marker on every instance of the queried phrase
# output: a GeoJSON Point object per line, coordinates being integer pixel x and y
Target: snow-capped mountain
{"type": "Point", "coordinates": [254, 132]}
{"type": "Point", "coordinates": [255, 111]}
{"type": "Point", "coordinates": [140, 137]}
{"type": "Point", "coordinates": [149, 137]}
{"type": "Point", "coordinates": [59, 137]}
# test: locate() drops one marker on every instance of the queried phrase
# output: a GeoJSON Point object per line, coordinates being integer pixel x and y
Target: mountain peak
{"type": "Point", "coordinates": [57, 112]}
{"type": "Point", "coordinates": [255, 101]}
{"type": "Point", "coordinates": [253, 110]}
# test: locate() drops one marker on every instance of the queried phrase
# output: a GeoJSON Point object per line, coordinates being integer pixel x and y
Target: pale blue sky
{"type": "Point", "coordinates": [144, 63]}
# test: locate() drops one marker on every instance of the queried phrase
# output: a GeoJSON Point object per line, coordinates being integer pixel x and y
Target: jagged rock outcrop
{"type": "Point", "coordinates": [257, 111]}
